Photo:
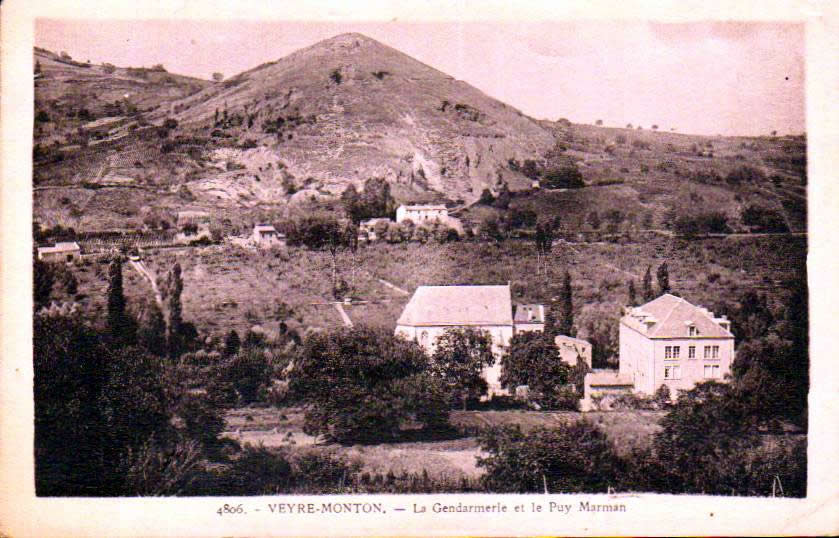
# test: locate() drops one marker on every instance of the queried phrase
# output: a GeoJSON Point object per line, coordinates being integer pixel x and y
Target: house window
{"type": "Point", "coordinates": [715, 352]}
{"type": "Point", "coordinates": [691, 352]}
{"type": "Point", "coordinates": [711, 371]}
{"type": "Point", "coordinates": [424, 338]}
{"type": "Point", "coordinates": [692, 331]}
{"type": "Point", "coordinates": [668, 352]}
{"type": "Point", "coordinates": [707, 352]}
{"type": "Point", "coordinates": [675, 352]}
{"type": "Point", "coordinates": [672, 372]}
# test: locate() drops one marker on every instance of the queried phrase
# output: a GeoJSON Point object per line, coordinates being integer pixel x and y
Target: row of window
{"type": "Point", "coordinates": [710, 371]}
{"type": "Point", "coordinates": [710, 352]}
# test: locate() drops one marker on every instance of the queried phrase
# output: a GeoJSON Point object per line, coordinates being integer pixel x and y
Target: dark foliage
{"type": "Point", "coordinates": [458, 362]}
{"type": "Point", "coordinates": [566, 177]}
{"type": "Point", "coordinates": [570, 459]}
{"type": "Point", "coordinates": [533, 359]}
{"type": "Point", "coordinates": [363, 384]}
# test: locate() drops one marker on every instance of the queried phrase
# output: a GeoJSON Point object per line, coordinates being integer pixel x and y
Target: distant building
{"type": "Point", "coordinates": [604, 384]}
{"type": "Point", "coordinates": [529, 317]}
{"type": "Point", "coordinates": [265, 235]}
{"type": "Point", "coordinates": [193, 217]}
{"type": "Point", "coordinates": [420, 214]}
{"type": "Point", "coordinates": [61, 252]}
{"type": "Point", "coordinates": [434, 309]}
{"type": "Point", "coordinates": [570, 348]}
{"type": "Point", "coordinates": [369, 227]}
{"type": "Point", "coordinates": [669, 341]}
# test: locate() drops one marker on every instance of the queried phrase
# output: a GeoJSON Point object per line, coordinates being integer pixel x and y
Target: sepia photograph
{"type": "Point", "coordinates": [334, 260]}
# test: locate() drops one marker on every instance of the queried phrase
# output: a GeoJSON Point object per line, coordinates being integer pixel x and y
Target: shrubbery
{"type": "Point", "coordinates": [363, 385]}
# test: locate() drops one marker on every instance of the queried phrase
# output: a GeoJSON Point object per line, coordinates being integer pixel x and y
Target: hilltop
{"type": "Point", "coordinates": [350, 108]}
{"type": "Point", "coordinates": [292, 134]}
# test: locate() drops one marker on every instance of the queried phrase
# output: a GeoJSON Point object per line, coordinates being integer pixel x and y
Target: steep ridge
{"type": "Point", "coordinates": [350, 108]}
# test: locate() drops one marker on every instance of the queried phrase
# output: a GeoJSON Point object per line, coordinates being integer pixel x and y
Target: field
{"type": "Point", "coordinates": [448, 459]}
{"type": "Point", "coordinates": [228, 286]}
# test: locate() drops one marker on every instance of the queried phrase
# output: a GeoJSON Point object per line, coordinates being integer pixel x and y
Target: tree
{"type": "Point", "coordinates": [351, 201]}
{"type": "Point", "coordinates": [246, 373]}
{"type": "Point", "coordinates": [486, 198]}
{"type": "Point", "coordinates": [565, 177]}
{"type": "Point", "coordinates": [151, 333]}
{"type": "Point", "coordinates": [533, 359]}
{"type": "Point", "coordinates": [231, 344]}
{"type": "Point", "coordinates": [360, 384]}
{"type": "Point", "coordinates": [543, 238]}
{"type": "Point", "coordinates": [566, 320]}
{"type": "Point", "coordinates": [324, 232]}
{"type": "Point", "coordinates": [120, 326]}
{"type": "Point", "coordinates": [572, 458]}
{"type": "Point", "coordinates": [649, 294]}
{"type": "Point", "coordinates": [598, 122]}
{"type": "Point", "coordinates": [43, 279]}
{"type": "Point", "coordinates": [174, 288]}
{"type": "Point", "coordinates": [490, 229]}
{"type": "Point", "coordinates": [458, 361]}
{"type": "Point", "coordinates": [502, 201]}
{"type": "Point", "coordinates": [632, 295]}
{"type": "Point", "coordinates": [654, 127]}
{"type": "Point", "coordinates": [663, 277]}
{"type": "Point", "coordinates": [218, 77]}
{"type": "Point", "coordinates": [629, 126]}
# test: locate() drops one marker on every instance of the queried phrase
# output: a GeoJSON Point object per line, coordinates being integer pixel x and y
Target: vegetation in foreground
{"type": "Point", "coordinates": [126, 410]}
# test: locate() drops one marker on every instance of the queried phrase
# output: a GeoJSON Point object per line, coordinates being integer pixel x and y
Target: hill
{"type": "Point", "coordinates": [350, 108]}
{"type": "Point", "coordinates": [291, 134]}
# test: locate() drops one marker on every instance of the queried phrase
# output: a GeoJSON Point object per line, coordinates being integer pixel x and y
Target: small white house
{"type": "Point", "coordinates": [265, 235]}
{"type": "Point", "coordinates": [61, 252]}
{"type": "Point", "coordinates": [570, 348]}
{"type": "Point", "coordinates": [420, 214]}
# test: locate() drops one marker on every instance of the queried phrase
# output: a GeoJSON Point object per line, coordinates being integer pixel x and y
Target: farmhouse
{"type": "Point", "coordinates": [672, 342]}
{"type": "Point", "coordinates": [570, 348]}
{"type": "Point", "coordinates": [61, 252]}
{"type": "Point", "coordinates": [368, 227]}
{"type": "Point", "coordinates": [193, 217]}
{"type": "Point", "coordinates": [265, 235]}
{"type": "Point", "coordinates": [434, 309]}
{"type": "Point", "coordinates": [420, 214]}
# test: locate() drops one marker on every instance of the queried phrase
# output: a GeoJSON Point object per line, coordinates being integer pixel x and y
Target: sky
{"type": "Point", "coordinates": [729, 78]}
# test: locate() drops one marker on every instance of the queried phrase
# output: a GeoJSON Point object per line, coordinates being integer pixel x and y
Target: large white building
{"type": "Point", "coordinates": [671, 342]}
{"type": "Point", "coordinates": [62, 252]}
{"type": "Point", "coordinates": [435, 309]}
{"type": "Point", "coordinates": [421, 214]}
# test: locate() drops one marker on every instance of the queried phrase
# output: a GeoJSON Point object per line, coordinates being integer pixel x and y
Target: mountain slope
{"type": "Point", "coordinates": [350, 108]}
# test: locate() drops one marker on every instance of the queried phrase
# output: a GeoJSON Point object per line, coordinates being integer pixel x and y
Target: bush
{"type": "Point", "coordinates": [764, 219]}
{"type": "Point", "coordinates": [567, 177]}
{"type": "Point", "coordinates": [363, 384]}
{"type": "Point", "coordinates": [745, 174]}
{"type": "Point", "coordinates": [573, 458]}
{"type": "Point", "coordinates": [533, 360]}
{"type": "Point", "coordinates": [713, 222]}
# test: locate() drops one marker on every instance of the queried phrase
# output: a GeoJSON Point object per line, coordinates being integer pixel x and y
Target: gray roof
{"type": "Point", "coordinates": [669, 316]}
{"type": "Point", "coordinates": [458, 306]}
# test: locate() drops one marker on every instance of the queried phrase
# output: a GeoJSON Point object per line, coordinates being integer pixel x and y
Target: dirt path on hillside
{"type": "Point", "coordinates": [145, 273]}
{"type": "Point", "coordinates": [340, 308]}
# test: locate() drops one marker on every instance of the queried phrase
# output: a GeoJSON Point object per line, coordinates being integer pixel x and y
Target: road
{"type": "Point", "coordinates": [340, 308]}
{"type": "Point", "coordinates": [145, 273]}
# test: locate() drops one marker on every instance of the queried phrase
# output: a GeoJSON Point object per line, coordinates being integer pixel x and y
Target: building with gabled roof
{"type": "Point", "coordinates": [67, 251]}
{"type": "Point", "coordinates": [668, 341]}
{"type": "Point", "coordinates": [434, 309]}
{"type": "Point", "coordinates": [420, 214]}
{"type": "Point", "coordinates": [265, 235]}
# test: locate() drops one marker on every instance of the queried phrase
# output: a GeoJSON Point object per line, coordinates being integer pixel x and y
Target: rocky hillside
{"type": "Point", "coordinates": [350, 108]}
{"type": "Point", "coordinates": [70, 94]}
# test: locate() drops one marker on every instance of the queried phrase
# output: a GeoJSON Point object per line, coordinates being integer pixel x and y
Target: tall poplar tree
{"type": "Point", "coordinates": [663, 277]}
{"type": "Point", "coordinates": [632, 294]}
{"type": "Point", "coordinates": [649, 294]}
{"type": "Point", "coordinates": [566, 322]}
